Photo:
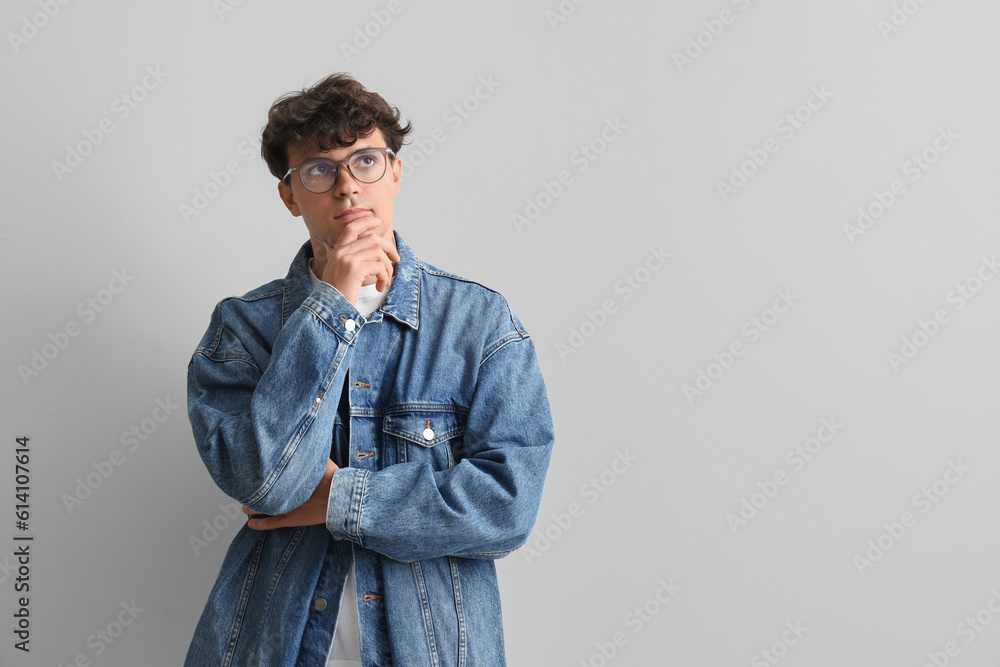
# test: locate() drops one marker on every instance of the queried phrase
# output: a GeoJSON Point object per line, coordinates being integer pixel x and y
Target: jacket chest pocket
{"type": "Point", "coordinates": [426, 437]}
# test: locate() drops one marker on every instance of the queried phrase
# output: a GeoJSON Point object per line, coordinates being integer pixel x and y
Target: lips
{"type": "Point", "coordinates": [353, 214]}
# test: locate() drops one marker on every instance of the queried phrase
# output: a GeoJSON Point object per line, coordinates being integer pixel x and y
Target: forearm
{"type": "Point", "coordinates": [482, 507]}
{"type": "Point", "coordinates": [263, 422]}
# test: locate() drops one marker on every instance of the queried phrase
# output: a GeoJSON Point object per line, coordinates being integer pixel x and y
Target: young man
{"type": "Point", "coordinates": [384, 423]}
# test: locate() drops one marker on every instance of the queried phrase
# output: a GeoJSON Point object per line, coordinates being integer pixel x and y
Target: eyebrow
{"type": "Point", "coordinates": [355, 147]}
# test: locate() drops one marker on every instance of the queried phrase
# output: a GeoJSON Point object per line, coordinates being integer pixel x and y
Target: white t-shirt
{"type": "Point", "coordinates": [345, 651]}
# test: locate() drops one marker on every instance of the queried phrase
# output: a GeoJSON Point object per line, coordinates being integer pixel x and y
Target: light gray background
{"type": "Point", "coordinates": [621, 393]}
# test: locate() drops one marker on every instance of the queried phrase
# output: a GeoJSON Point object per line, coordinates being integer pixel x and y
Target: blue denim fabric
{"type": "Point", "coordinates": [434, 408]}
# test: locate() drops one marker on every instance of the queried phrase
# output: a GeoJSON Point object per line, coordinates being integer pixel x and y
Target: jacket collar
{"type": "Point", "coordinates": [402, 302]}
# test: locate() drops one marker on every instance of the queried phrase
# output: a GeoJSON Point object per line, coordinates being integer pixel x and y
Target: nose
{"type": "Point", "coordinates": [346, 184]}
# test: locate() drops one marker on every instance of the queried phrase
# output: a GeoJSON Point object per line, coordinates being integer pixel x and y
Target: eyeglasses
{"type": "Point", "coordinates": [319, 175]}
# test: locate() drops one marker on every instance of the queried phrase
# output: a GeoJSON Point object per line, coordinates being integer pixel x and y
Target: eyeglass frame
{"type": "Point", "coordinates": [337, 164]}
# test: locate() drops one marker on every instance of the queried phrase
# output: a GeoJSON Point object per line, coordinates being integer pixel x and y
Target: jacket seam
{"type": "Point", "coordinates": [459, 610]}
{"type": "Point", "coordinates": [499, 345]}
{"type": "Point", "coordinates": [279, 570]}
{"type": "Point", "coordinates": [300, 433]}
{"type": "Point", "coordinates": [234, 632]}
{"type": "Point", "coordinates": [223, 359]}
{"type": "Point", "coordinates": [361, 507]}
{"type": "Point", "coordinates": [425, 611]}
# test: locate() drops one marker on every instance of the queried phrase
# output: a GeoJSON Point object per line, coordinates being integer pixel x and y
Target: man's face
{"type": "Point", "coordinates": [326, 214]}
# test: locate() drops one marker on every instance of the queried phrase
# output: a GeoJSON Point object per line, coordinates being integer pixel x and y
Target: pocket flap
{"type": "Point", "coordinates": [425, 428]}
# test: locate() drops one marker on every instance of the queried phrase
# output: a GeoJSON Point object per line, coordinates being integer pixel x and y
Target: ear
{"type": "Point", "coordinates": [397, 167]}
{"type": "Point", "coordinates": [285, 192]}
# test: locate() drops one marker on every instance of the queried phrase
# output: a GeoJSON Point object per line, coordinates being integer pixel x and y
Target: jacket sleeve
{"type": "Point", "coordinates": [263, 419]}
{"type": "Point", "coordinates": [483, 507]}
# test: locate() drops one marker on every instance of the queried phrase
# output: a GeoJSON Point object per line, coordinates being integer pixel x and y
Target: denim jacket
{"type": "Point", "coordinates": [435, 410]}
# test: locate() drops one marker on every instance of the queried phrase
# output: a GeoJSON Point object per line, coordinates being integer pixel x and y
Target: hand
{"type": "Point", "coordinates": [310, 513]}
{"type": "Point", "coordinates": [359, 254]}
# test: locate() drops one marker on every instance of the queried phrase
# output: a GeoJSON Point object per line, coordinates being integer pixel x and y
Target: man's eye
{"type": "Point", "coordinates": [320, 169]}
{"type": "Point", "coordinates": [366, 161]}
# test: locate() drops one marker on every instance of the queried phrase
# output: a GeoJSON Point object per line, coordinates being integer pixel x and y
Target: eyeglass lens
{"type": "Point", "coordinates": [366, 166]}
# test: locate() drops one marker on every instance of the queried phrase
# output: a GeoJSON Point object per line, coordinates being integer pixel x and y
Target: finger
{"type": "Point", "coordinates": [355, 228]}
{"type": "Point", "coordinates": [381, 270]}
{"type": "Point", "coordinates": [366, 241]}
{"type": "Point", "coordinates": [365, 256]}
{"type": "Point", "coordinates": [388, 247]}
{"type": "Point", "coordinates": [265, 523]}
{"type": "Point", "coordinates": [385, 275]}
{"type": "Point", "coordinates": [247, 510]}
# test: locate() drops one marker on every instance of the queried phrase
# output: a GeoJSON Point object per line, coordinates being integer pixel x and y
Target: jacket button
{"type": "Point", "coordinates": [428, 434]}
{"type": "Point", "coordinates": [320, 604]}
{"type": "Point", "coordinates": [349, 325]}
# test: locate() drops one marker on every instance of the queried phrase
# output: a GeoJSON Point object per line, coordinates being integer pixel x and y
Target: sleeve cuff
{"type": "Point", "coordinates": [328, 304]}
{"type": "Point", "coordinates": [343, 509]}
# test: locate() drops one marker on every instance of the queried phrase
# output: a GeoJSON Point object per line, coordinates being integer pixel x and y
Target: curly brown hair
{"type": "Point", "coordinates": [333, 113]}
